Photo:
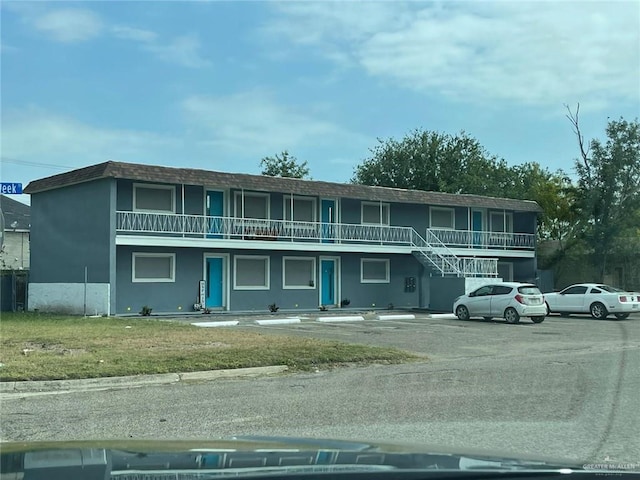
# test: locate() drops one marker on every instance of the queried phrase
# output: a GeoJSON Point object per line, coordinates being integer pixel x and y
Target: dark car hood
{"type": "Point", "coordinates": [251, 456]}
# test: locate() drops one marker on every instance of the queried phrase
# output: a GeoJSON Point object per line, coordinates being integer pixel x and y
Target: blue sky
{"type": "Point", "coordinates": [220, 85]}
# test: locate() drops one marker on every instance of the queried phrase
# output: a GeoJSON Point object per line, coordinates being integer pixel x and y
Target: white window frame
{"type": "Point", "coordinates": [286, 208]}
{"type": "Point", "coordinates": [385, 221]}
{"type": "Point", "coordinates": [502, 216]}
{"type": "Point", "coordinates": [267, 260]}
{"type": "Point", "coordinates": [135, 255]}
{"type": "Point", "coordinates": [377, 260]}
{"type": "Point", "coordinates": [450, 210]}
{"type": "Point", "coordinates": [299, 287]}
{"type": "Point", "coordinates": [251, 194]}
{"type": "Point", "coordinates": [172, 188]}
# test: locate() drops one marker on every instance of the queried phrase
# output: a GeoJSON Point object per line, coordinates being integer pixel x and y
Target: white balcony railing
{"type": "Point", "coordinates": [431, 250]}
{"type": "Point", "coordinates": [259, 229]}
{"type": "Point", "coordinates": [471, 239]}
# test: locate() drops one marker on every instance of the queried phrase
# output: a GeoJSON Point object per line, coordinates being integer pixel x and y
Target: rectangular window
{"type": "Point", "coordinates": [153, 267]}
{"type": "Point", "coordinates": [374, 270]}
{"type": "Point", "coordinates": [298, 273]}
{"type": "Point", "coordinates": [251, 272]}
{"type": "Point", "coordinates": [255, 205]}
{"type": "Point", "coordinates": [304, 209]}
{"type": "Point", "coordinates": [154, 198]}
{"type": "Point", "coordinates": [375, 213]}
{"type": "Point", "coordinates": [501, 222]}
{"type": "Point", "coordinates": [442, 218]}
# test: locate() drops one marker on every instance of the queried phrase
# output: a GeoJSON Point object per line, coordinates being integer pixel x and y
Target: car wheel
{"type": "Point", "coordinates": [537, 319]}
{"type": "Point", "coordinates": [488, 319]}
{"type": "Point", "coordinates": [511, 315]}
{"type": "Point", "coordinates": [621, 316]}
{"type": "Point", "coordinates": [462, 312]}
{"type": "Point", "coordinates": [598, 311]}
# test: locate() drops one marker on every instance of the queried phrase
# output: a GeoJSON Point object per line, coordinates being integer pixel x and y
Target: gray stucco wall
{"type": "Point", "coordinates": [380, 295]}
{"type": "Point", "coordinates": [350, 211]}
{"type": "Point", "coordinates": [162, 297]}
{"type": "Point", "coordinates": [410, 215]}
{"type": "Point", "coordinates": [524, 270]}
{"type": "Point", "coordinates": [71, 228]}
{"type": "Point", "coordinates": [182, 294]}
{"type": "Point", "coordinates": [462, 218]}
{"type": "Point", "coordinates": [443, 292]}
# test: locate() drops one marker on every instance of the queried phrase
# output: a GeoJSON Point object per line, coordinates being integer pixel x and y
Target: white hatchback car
{"type": "Point", "coordinates": [595, 298]}
{"type": "Point", "coordinates": [508, 300]}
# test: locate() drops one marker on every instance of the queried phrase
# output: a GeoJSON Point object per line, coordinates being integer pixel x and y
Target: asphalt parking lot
{"type": "Point", "coordinates": [567, 387]}
{"type": "Point", "coordinates": [444, 337]}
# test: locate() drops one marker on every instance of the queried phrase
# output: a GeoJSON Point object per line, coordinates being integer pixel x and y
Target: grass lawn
{"type": "Point", "coordinates": [47, 347]}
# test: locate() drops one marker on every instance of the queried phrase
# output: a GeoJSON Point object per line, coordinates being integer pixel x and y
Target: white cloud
{"type": "Point", "coordinates": [183, 50]}
{"type": "Point", "coordinates": [77, 25]}
{"type": "Point", "coordinates": [124, 32]}
{"type": "Point", "coordinates": [220, 133]}
{"type": "Point", "coordinates": [69, 25]}
{"type": "Point", "coordinates": [5, 48]}
{"type": "Point", "coordinates": [534, 53]}
{"type": "Point", "coordinates": [33, 134]}
{"type": "Point", "coordinates": [253, 122]}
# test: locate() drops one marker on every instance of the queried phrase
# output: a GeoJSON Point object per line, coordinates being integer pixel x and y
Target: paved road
{"type": "Point", "coordinates": [567, 387]}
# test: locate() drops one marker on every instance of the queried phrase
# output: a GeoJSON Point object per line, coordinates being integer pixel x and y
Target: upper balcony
{"type": "Point", "coordinates": [491, 240]}
{"type": "Point", "coordinates": [264, 230]}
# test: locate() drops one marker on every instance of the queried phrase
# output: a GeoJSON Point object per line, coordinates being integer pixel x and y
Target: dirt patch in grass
{"type": "Point", "coordinates": [55, 349]}
{"type": "Point", "coordinates": [45, 347]}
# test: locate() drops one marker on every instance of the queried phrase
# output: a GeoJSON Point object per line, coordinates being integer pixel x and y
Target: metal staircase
{"type": "Point", "coordinates": [435, 255]}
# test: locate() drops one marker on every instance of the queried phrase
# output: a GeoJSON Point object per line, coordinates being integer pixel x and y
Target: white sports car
{"type": "Point", "coordinates": [595, 298]}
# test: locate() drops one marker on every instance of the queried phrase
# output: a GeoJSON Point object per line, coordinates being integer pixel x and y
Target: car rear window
{"type": "Point", "coordinates": [609, 289]}
{"type": "Point", "coordinates": [501, 290]}
{"type": "Point", "coordinates": [529, 290]}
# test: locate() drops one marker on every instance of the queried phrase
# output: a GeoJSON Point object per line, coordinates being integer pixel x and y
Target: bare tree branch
{"type": "Point", "coordinates": [584, 152]}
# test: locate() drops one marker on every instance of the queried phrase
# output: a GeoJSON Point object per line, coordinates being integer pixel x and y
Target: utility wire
{"type": "Point", "coordinates": [35, 164]}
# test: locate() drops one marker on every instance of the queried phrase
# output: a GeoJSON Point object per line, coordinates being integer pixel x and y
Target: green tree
{"type": "Point", "coordinates": [433, 161]}
{"type": "Point", "coordinates": [555, 194]}
{"type": "Point", "coordinates": [608, 189]}
{"type": "Point", "coordinates": [284, 165]}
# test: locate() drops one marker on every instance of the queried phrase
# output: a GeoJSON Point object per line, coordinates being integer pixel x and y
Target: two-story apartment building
{"type": "Point", "coordinates": [118, 236]}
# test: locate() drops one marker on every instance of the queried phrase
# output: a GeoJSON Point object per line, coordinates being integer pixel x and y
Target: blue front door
{"type": "Point", "coordinates": [214, 282]}
{"type": "Point", "coordinates": [215, 208]}
{"type": "Point", "coordinates": [328, 217]}
{"type": "Point", "coordinates": [476, 225]}
{"type": "Point", "coordinates": [328, 282]}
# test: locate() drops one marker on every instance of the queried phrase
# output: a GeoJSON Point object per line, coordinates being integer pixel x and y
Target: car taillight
{"type": "Point", "coordinates": [623, 298]}
{"type": "Point", "coordinates": [520, 299]}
